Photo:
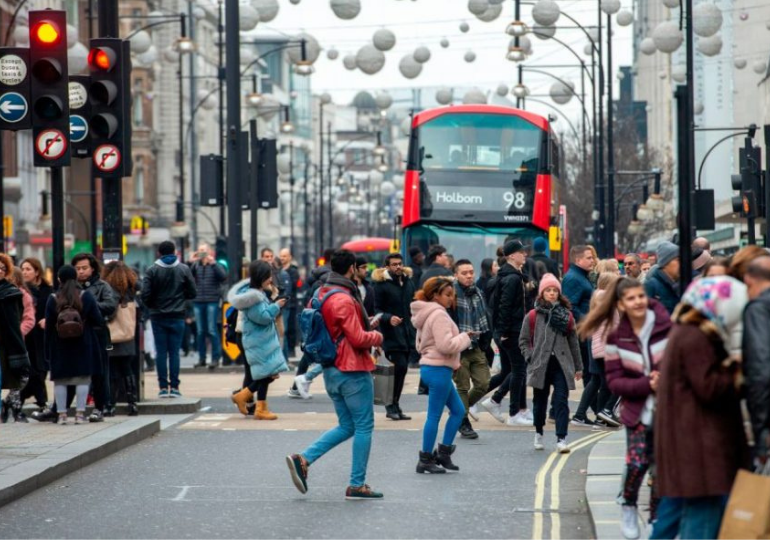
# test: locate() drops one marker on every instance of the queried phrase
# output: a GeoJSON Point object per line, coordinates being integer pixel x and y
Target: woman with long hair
{"type": "Point", "coordinates": [14, 362]}
{"type": "Point", "coordinates": [632, 362]}
{"type": "Point", "coordinates": [123, 281]}
{"type": "Point", "coordinates": [72, 347]}
{"type": "Point", "coordinates": [13, 402]}
{"type": "Point", "coordinates": [439, 343]}
{"type": "Point", "coordinates": [259, 337]}
{"type": "Point", "coordinates": [34, 278]}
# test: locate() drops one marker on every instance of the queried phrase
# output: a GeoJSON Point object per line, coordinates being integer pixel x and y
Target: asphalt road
{"type": "Point", "coordinates": [225, 482]}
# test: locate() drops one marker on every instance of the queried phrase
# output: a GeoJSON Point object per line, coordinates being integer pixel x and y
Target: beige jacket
{"type": "Point", "coordinates": [439, 341]}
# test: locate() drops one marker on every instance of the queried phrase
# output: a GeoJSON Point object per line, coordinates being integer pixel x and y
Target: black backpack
{"type": "Point", "coordinates": [69, 323]}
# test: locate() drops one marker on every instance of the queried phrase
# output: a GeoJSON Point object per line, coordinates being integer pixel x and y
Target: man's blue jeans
{"type": "Point", "coordinates": [353, 395]}
{"type": "Point", "coordinates": [691, 517]}
{"type": "Point", "coordinates": [206, 321]}
{"type": "Point", "coordinates": [168, 335]}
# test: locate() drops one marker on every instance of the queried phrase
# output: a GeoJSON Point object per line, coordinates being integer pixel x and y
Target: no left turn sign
{"type": "Point", "coordinates": [51, 144]}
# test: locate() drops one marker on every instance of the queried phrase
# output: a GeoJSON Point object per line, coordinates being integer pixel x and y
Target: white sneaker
{"type": "Point", "coordinates": [561, 446]}
{"type": "Point", "coordinates": [529, 415]}
{"type": "Point", "coordinates": [303, 386]}
{"type": "Point", "coordinates": [292, 393]}
{"type": "Point", "coordinates": [473, 412]}
{"type": "Point", "coordinates": [539, 442]}
{"type": "Point", "coordinates": [493, 408]}
{"type": "Point", "coordinates": [629, 523]}
{"type": "Point", "coordinates": [519, 419]}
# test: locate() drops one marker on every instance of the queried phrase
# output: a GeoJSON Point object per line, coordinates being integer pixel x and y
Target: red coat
{"type": "Point", "coordinates": [344, 315]}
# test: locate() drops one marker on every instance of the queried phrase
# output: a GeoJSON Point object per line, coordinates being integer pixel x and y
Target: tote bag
{"type": "Point", "coordinates": [123, 325]}
{"type": "Point", "coordinates": [748, 509]}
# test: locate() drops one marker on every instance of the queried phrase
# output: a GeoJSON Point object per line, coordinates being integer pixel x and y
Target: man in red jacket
{"type": "Point", "coordinates": [348, 382]}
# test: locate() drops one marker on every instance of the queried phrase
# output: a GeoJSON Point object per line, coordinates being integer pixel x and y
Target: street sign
{"type": "Point", "coordinates": [13, 107]}
{"type": "Point", "coordinates": [13, 70]}
{"type": "Point", "coordinates": [78, 128]}
{"type": "Point", "coordinates": [51, 144]}
{"type": "Point", "coordinates": [107, 157]}
{"type": "Point", "coordinates": [78, 95]}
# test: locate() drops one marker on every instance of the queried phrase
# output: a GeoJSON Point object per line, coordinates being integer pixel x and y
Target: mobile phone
{"type": "Point", "coordinates": [280, 297]}
{"type": "Point", "coordinates": [375, 318]}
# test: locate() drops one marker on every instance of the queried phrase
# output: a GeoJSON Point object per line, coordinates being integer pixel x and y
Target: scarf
{"type": "Point", "coordinates": [721, 299]}
{"type": "Point", "coordinates": [556, 316]}
{"type": "Point", "coordinates": [336, 280]}
{"type": "Point", "coordinates": [471, 311]}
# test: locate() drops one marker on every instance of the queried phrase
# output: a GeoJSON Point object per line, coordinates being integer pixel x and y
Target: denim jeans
{"type": "Point", "coordinates": [168, 335]}
{"type": "Point", "coordinates": [206, 321]}
{"type": "Point", "coordinates": [314, 371]}
{"type": "Point", "coordinates": [442, 393]}
{"type": "Point", "coordinates": [689, 517]}
{"type": "Point", "coordinates": [288, 344]}
{"type": "Point", "coordinates": [352, 393]}
{"type": "Point", "coordinates": [554, 376]}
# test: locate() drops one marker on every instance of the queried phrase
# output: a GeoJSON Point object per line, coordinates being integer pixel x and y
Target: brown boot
{"type": "Point", "coordinates": [241, 400]}
{"type": "Point", "coordinates": [263, 413]}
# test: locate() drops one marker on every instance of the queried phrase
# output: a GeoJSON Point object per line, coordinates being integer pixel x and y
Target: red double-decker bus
{"type": "Point", "coordinates": [478, 176]}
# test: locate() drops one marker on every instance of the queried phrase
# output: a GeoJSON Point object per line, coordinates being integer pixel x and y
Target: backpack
{"type": "Point", "coordinates": [69, 323]}
{"type": "Point", "coordinates": [532, 318]}
{"type": "Point", "coordinates": [231, 317]}
{"type": "Point", "coordinates": [318, 344]}
{"type": "Point", "coordinates": [123, 325]}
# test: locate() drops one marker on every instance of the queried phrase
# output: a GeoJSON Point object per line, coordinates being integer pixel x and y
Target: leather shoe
{"type": "Point", "coordinates": [392, 413]}
{"type": "Point", "coordinates": [401, 414]}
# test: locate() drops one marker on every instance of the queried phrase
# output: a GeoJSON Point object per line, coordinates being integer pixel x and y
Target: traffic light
{"type": "Point", "coordinates": [221, 251]}
{"type": "Point", "coordinates": [110, 96]}
{"type": "Point", "coordinates": [49, 93]}
{"type": "Point", "coordinates": [748, 183]}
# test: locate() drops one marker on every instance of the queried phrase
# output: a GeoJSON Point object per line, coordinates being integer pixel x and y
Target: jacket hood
{"type": "Point", "coordinates": [163, 264]}
{"type": "Point", "coordinates": [507, 270]}
{"type": "Point", "coordinates": [381, 274]}
{"type": "Point", "coordinates": [241, 296]}
{"type": "Point", "coordinates": [320, 271]}
{"type": "Point", "coordinates": [421, 311]}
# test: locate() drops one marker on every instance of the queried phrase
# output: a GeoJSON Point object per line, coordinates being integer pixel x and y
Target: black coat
{"type": "Point", "coordinates": [106, 298]}
{"type": "Point", "coordinates": [12, 346]}
{"type": "Point", "coordinates": [548, 262]}
{"type": "Point", "coordinates": [368, 298]}
{"type": "Point", "coordinates": [508, 302]}
{"type": "Point", "coordinates": [166, 288]}
{"type": "Point", "coordinates": [392, 298]}
{"type": "Point", "coordinates": [756, 367]}
{"type": "Point", "coordinates": [35, 340]}
{"type": "Point", "coordinates": [208, 281]}
{"type": "Point", "coordinates": [293, 272]}
{"type": "Point", "coordinates": [434, 270]}
{"type": "Point", "coordinates": [74, 357]}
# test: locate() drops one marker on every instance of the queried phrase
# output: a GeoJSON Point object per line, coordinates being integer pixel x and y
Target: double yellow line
{"type": "Point", "coordinates": [540, 486]}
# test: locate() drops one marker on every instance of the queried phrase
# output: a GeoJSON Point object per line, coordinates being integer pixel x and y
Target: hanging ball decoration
{"type": "Point", "coordinates": [706, 20]}
{"type": "Point", "coordinates": [199, 13]}
{"type": "Point", "coordinates": [671, 3]}
{"type": "Point", "coordinates": [409, 67]}
{"type": "Point", "coordinates": [247, 55]}
{"type": "Point", "coordinates": [470, 56]}
{"type": "Point", "coordinates": [593, 34]}
{"type": "Point", "coordinates": [647, 46]}
{"type": "Point", "coordinates": [662, 75]}
{"type": "Point", "coordinates": [268, 108]}
{"type": "Point", "coordinates": [561, 93]}
{"type": "Point", "coordinates": [679, 73]}
{"type": "Point", "coordinates": [546, 12]}
{"type": "Point", "coordinates": [740, 63]}
{"type": "Point", "coordinates": [286, 197]}
{"type": "Point", "coordinates": [312, 49]}
{"type": "Point", "coordinates": [710, 46]}
{"type": "Point", "coordinates": [207, 99]}
{"type": "Point", "coordinates": [610, 7]}
{"type": "Point", "coordinates": [21, 35]}
{"type": "Point", "coordinates": [370, 59]}
{"type": "Point", "coordinates": [398, 181]}
{"type": "Point", "coordinates": [667, 37]}
{"type": "Point", "coordinates": [332, 54]}
{"type": "Point", "coordinates": [477, 7]}
{"type": "Point", "coordinates": [525, 43]}
{"type": "Point", "coordinates": [387, 189]}
{"type": "Point", "coordinates": [491, 14]}
{"type": "Point", "coordinates": [140, 42]}
{"type": "Point", "coordinates": [744, 16]}
{"type": "Point", "coordinates": [147, 58]}
{"type": "Point", "coordinates": [349, 61]}
{"type": "Point", "coordinates": [406, 126]}
{"type": "Point", "coordinates": [422, 54]}
{"type": "Point", "coordinates": [346, 9]}
{"type": "Point", "coordinates": [77, 57]}
{"type": "Point", "coordinates": [474, 97]}
{"type": "Point", "coordinates": [620, 75]}
{"type": "Point", "coordinates": [648, 108]}
{"type": "Point", "coordinates": [283, 162]}
{"type": "Point", "coordinates": [249, 18]}
{"type": "Point", "coordinates": [384, 39]}
{"type": "Point", "coordinates": [444, 96]}
{"type": "Point", "coordinates": [698, 107]}
{"type": "Point", "coordinates": [588, 49]}
{"type": "Point", "coordinates": [326, 98]}
{"type": "Point", "coordinates": [267, 9]}
{"type": "Point", "coordinates": [759, 66]}
{"type": "Point", "coordinates": [464, 27]}
{"type": "Point", "coordinates": [544, 31]}
{"type": "Point", "coordinates": [383, 100]}
{"type": "Point", "coordinates": [170, 55]}
{"type": "Point", "coordinates": [444, 43]}
{"type": "Point", "coordinates": [502, 90]}
{"type": "Point", "coordinates": [72, 35]}
{"type": "Point", "coordinates": [294, 2]}
{"type": "Point", "coordinates": [624, 18]}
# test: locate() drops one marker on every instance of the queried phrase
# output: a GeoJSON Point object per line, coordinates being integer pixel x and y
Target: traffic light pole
{"type": "Point", "coordinates": [57, 218]}
{"type": "Point", "coordinates": [233, 80]}
{"type": "Point", "coordinates": [766, 190]}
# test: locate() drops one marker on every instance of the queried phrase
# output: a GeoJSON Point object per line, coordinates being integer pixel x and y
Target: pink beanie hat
{"type": "Point", "coordinates": [548, 280]}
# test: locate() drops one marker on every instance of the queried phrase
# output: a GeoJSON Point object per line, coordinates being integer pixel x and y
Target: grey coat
{"type": "Point", "coordinates": [548, 341]}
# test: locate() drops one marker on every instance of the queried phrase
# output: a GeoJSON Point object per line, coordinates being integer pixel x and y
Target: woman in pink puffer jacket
{"type": "Point", "coordinates": [439, 343]}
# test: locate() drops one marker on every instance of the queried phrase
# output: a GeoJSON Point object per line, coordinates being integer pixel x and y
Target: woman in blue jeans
{"type": "Point", "coordinates": [439, 343]}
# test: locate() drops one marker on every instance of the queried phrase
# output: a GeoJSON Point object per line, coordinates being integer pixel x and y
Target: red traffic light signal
{"type": "Point", "coordinates": [102, 59]}
{"type": "Point", "coordinates": [46, 32]}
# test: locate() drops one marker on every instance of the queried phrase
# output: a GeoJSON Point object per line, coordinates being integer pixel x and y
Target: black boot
{"type": "Point", "coordinates": [5, 410]}
{"type": "Point", "coordinates": [401, 414]}
{"type": "Point", "coordinates": [466, 430]}
{"type": "Point", "coordinates": [444, 457]}
{"type": "Point", "coordinates": [131, 394]}
{"type": "Point", "coordinates": [392, 412]}
{"type": "Point", "coordinates": [427, 464]}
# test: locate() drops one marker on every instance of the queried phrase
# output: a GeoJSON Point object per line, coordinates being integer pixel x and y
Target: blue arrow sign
{"type": "Point", "coordinates": [13, 107]}
{"type": "Point", "coordinates": [78, 128]}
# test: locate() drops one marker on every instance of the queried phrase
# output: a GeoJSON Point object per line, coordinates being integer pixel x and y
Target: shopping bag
{"type": "Point", "coordinates": [384, 375]}
{"type": "Point", "coordinates": [748, 509]}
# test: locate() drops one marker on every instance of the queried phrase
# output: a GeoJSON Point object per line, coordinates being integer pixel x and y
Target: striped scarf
{"type": "Point", "coordinates": [471, 311]}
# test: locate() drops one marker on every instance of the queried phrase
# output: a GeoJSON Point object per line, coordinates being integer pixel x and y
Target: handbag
{"type": "Point", "coordinates": [384, 376]}
{"type": "Point", "coordinates": [748, 510]}
{"type": "Point", "coordinates": [123, 325]}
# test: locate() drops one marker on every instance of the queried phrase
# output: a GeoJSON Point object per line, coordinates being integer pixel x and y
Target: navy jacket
{"type": "Point", "coordinates": [662, 288]}
{"type": "Point", "coordinates": [578, 290]}
{"type": "Point", "coordinates": [208, 281]}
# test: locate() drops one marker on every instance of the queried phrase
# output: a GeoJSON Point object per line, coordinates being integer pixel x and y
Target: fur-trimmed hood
{"type": "Point", "coordinates": [382, 274]}
{"type": "Point", "coordinates": [241, 296]}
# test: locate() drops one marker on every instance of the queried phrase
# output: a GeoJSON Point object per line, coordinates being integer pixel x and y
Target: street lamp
{"type": "Point", "coordinates": [520, 91]}
{"type": "Point", "coordinates": [515, 54]}
{"type": "Point", "coordinates": [286, 125]}
{"type": "Point", "coordinates": [516, 29]}
{"type": "Point", "coordinates": [379, 150]}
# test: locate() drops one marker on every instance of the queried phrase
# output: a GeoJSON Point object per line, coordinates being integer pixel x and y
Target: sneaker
{"type": "Point", "coordinates": [466, 430]}
{"type": "Point", "coordinates": [601, 425]}
{"type": "Point", "coordinates": [175, 393]}
{"type": "Point", "coordinates": [576, 421]}
{"type": "Point", "coordinates": [629, 523]}
{"type": "Point", "coordinates": [530, 416]}
{"type": "Point", "coordinates": [519, 419]}
{"type": "Point", "coordinates": [474, 412]}
{"type": "Point", "coordinates": [298, 469]}
{"type": "Point", "coordinates": [607, 418]}
{"type": "Point", "coordinates": [213, 366]}
{"type": "Point", "coordinates": [163, 393]}
{"type": "Point", "coordinates": [292, 393]}
{"type": "Point", "coordinates": [63, 420]}
{"type": "Point", "coordinates": [80, 418]}
{"type": "Point", "coordinates": [96, 416]}
{"type": "Point", "coordinates": [539, 442]}
{"type": "Point", "coordinates": [45, 415]}
{"type": "Point", "coordinates": [561, 446]}
{"type": "Point", "coordinates": [363, 493]}
{"type": "Point", "coordinates": [303, 386]}
{"type": "Point", "coordinates": [493, 408]}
